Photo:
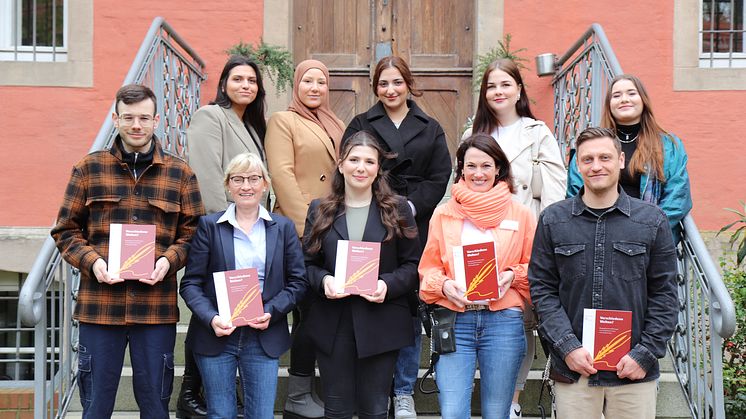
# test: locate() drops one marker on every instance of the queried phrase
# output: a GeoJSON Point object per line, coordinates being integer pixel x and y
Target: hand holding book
{"type": "Point", "coordinates": [379, 295]}
{"type": "Point", "coordinates": [221, 327]}
{"type": "Point", "coordinates": [330, 289]}
{"type": "Point", "coordinates": [629, 368]}
{"type": "Point", "coordinates": [580, 361]}
{"type": "Point", "coordinates": [455, 291]}
{"type": "Point", "coordinates": [101, 272]}
{"type": "Point", "coordinates": [261, 322]}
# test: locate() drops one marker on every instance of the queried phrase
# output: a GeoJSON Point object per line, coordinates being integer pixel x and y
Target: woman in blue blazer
{"type": "Point", "coordinates": [244, 235]}
{"type": "Point", "coordinates": [358, 336]}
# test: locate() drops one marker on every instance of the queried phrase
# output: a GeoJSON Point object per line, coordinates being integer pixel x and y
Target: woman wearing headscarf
{"type": "Point", "coordinates": [302, 144]}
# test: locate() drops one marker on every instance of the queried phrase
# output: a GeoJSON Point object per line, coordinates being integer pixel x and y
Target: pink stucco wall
{"type": "Point", "coordinates": [45, 130]}
{"type": "Point", "coordinates": [711, 123]}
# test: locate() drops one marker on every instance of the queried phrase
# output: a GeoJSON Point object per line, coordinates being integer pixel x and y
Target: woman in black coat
{"type": "Point", "coordinates": [358, 336]}
{"type": "Point", "coordinates": [420, 173]}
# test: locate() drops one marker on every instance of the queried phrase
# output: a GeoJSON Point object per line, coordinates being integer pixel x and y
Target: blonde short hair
{"type": "Point", "coordinates": [243, 163]}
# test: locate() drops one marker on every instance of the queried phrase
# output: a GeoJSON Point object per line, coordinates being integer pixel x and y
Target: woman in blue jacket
{"type": "Point", "coordinates": [655, 160]}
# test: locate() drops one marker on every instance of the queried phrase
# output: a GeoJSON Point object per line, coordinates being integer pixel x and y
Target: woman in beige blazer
{"type": "Point", "coordinates": [230, 125]}
{"type": "Point", "coordinates": [302, 146]}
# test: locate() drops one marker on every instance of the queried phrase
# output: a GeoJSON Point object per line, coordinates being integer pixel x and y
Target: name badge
{"type": "Point", "coordinates": [509, 225]}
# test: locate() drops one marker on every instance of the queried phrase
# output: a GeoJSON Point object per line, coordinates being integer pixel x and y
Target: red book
{"type": "Point", "coordinates": [356, 268]}
{"type": "Point", "coordinates": [607, 335]}
{"type": "Point", "coordinates": [131, 251]}
{"type": "Point", "coordinates": [475, 266]}
{"type": "Point", "coordinates": [239, 295]}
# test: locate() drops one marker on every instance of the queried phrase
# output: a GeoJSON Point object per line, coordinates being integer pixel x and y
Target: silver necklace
{"type": "Point", "coordinates": [626, 139]}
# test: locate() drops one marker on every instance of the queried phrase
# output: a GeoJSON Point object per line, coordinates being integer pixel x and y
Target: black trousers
{"type": "Point", "coordinates": [353, 384]}
{"type": "Point", "coordinates": [302, 351]}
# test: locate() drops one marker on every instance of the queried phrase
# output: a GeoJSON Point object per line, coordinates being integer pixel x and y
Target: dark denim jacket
{"type": "Point", "coordinates": [623, 259]}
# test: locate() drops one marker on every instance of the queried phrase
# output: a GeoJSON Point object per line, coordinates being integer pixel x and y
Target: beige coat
{"type": "Point", "coordinates": [518, 152]}
{"type": "Point", "coordinates": [301, 160]}
{"type": "Point", "coordinates": [215, 136]}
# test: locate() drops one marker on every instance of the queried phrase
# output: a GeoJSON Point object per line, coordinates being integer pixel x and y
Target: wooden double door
{"type": "Point", "coordinates": [436, 38]}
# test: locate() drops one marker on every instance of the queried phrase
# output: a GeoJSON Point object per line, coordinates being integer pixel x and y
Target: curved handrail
{"type": "Point", "coordinates": [136, 69]}
{"type": "Point", "coordinates": [30, 297]}
{"type": "Point", "coordinates": [723, 311]}
{"type": "Point", "coordinates": [603, 41]}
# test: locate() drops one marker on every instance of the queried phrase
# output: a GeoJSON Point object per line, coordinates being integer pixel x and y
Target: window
{"type": "Point", "coordinates": [722, 42]}
{"type": "Point", "coordinates": [63, 55]}
{"type": "Point", "coordinates": [33, 30]}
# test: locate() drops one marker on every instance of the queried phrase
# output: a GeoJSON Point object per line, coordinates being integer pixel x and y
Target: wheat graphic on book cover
{"type": "Point", "coordinates": [131, 251]}
{"type": "Point", "coordinates": [239, 295]}
{"type": "Point", "coordinates": [476, 270]}
{"type": "Point", "coordinates": [356, 267]}
{"type": "Point", "coordinates": [607, 336]}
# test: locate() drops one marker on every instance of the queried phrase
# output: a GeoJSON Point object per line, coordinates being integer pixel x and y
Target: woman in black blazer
{"type": "Point", "coordinates": [419, 173]}
{"type": "Point", "coordinates": [358, 337]}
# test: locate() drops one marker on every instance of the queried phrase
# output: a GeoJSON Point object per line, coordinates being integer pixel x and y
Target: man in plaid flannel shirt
{"type": "Point", "coordinates": [133, 182]}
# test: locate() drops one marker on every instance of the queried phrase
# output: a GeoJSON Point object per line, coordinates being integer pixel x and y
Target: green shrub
{"type": "Point", "coordinates": [502, 50]}
{"type": "Point", "coordinates": [275, 62]}
{"type": "Point", "coordinates": [734, 347]}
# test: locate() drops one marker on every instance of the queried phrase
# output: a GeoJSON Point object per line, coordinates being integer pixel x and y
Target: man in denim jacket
{"type": "Point", "coordinates": [604, 250]}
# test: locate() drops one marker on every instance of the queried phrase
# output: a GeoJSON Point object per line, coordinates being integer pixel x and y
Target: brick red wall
{"type": "Point", "coordinates": [45, 130]}
{"type": "Point", "coordinates": [711, 123]}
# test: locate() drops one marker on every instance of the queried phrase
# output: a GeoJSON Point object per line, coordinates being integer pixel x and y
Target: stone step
{"type": "Point", "coordinates": [671, 403]}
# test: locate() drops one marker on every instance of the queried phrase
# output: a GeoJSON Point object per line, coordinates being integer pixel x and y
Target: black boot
{"type": "Point", "coordinates": [191, 405]}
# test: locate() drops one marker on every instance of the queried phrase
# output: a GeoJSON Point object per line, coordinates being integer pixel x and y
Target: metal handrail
{"type": "Point", "coordinates": [595, 30]}
{"type": "Point", "coordinates": [163, 58]}
{"type": "Point", "coordinates": [705, 304]}
{"type": "Point", "coordinates": [723, 310]}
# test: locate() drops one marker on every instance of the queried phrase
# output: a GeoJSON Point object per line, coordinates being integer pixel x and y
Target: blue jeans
{"type": "Point", "coordinates": [258, 372]}
{"type": "Point", "coordinates": [408, 363]}
{"type": "Point", "coordinates": [496, 340]}
{"type": "Point", "coordinates": [100, 358]}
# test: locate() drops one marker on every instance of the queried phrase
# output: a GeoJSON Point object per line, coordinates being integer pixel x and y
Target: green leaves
{"type": "Point", "coordinates": [501, 51]}
{"type": "Point", "coordinates": [275, 62]}
{"type": "Point", "coordinates": [738, 236]}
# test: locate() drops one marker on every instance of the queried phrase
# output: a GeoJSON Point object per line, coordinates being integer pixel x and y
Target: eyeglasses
{"type": "Point", "coordinates": [254, 180]}
{"type": "Point", "coordinates": [128, 120]}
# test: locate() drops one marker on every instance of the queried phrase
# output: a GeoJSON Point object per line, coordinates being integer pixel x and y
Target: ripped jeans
{"type": "Point", "coordinates": [100, 358]}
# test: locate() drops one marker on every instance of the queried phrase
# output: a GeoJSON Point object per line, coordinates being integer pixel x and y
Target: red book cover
{"type": "Point", "coordinates": [356, 269]}
{"type": "Point", "coordinates": [131, 251]}
{"type": "Point", "coordinates": [607, 336]}
{"type": "Point", "coordinates": [476, 269]}
{"type": "Point", "coordinates": [239, 295]}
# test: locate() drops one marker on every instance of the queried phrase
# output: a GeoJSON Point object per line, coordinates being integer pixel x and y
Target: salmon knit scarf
{"type": "Point", "coordinates": [484, 209]}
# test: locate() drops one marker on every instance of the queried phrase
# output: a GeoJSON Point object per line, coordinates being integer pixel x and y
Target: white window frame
{"type": "Point", "coordinates": [721, 59]}
{"type": "Point", "coordinates": [10, 10]}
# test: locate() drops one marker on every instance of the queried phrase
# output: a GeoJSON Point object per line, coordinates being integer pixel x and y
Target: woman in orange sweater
{"type": "Point", "coordinates": [480, 210]}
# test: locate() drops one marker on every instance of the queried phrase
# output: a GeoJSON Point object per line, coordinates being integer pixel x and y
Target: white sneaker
{"type": "Point", "coordinates": [404, 407]}
{"type": "Point", "coordinates": [515, 411]}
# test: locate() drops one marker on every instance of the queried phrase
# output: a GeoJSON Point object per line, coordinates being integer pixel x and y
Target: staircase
{"type": "Point", "coordinates": [691, 380]}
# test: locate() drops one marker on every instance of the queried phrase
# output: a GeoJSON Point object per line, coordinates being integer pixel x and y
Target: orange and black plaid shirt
{"type": "Point", "coordinates": [101, 191]}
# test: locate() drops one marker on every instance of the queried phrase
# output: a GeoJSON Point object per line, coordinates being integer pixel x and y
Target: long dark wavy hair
{"type": "Point", "coordinates": [485, 143]}
{"type": "Point", "coordinates": [384, 196]}
{"type": "Point", "coordinates": [254, 113]}
{"type": "Point", "coordinates": [649, 151]}
{"type": "Point", "coordinates": [485, 119]}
